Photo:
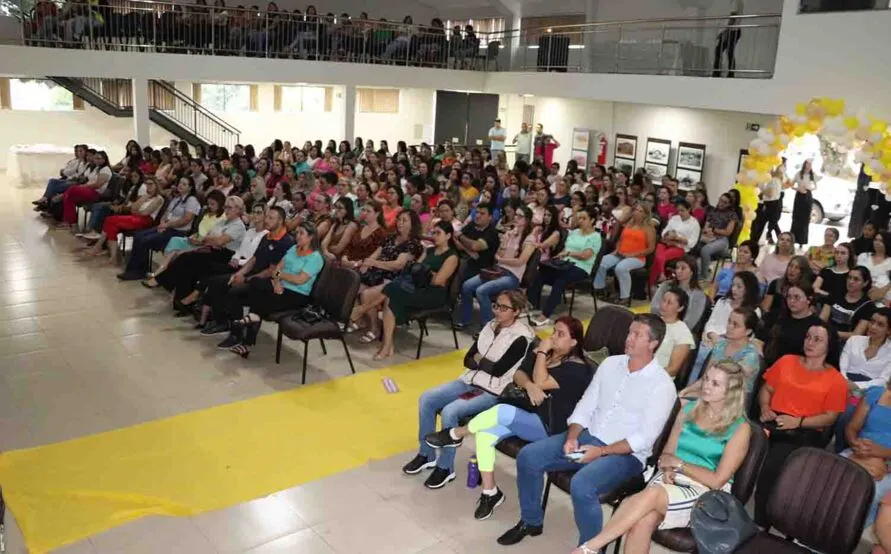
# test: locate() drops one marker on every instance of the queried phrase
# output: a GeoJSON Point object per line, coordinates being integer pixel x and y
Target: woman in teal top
{"type": "Point", "coordinates": [402, 294]}
{"type": "Point", "coordinates": [289, 287]}
{"type": "Point", "coordinates": [580, 250]}
{"type": "Point", "coordinates": [707, 445]}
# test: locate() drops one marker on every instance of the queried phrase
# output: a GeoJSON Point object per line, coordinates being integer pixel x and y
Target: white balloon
{"type": "Point", "coordinates": [862, 157]}
{"type": "Point", "coordinates": [798, 119]}
{"type": "Point", "coordinates": [752, 174]}
{"type": "Point", "coordinates": [764, 149]}
{"type": "Point", "coordinates": [766, 135]}
{"type": "Point", "coordinates": [785, 139]}
{"type": "Point", "coordinates": [875, 138]}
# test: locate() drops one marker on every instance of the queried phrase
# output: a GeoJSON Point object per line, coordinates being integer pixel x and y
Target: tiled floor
{"type": "Point", "coordinates": [109, 355]}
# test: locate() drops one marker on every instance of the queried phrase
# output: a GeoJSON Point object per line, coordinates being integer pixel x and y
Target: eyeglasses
{"type": "Point", "coordinates": [501, 307]}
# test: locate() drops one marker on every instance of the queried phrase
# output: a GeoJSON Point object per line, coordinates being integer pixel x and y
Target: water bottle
{"type": "Point", "coordinates": [473, 473]}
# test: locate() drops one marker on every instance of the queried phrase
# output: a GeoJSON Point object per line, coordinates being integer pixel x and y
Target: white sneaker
{"type": "Point", "coordinates": [542, 322]}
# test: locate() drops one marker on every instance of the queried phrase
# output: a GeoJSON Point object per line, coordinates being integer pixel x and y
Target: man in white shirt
{"type": "Point", "coordinates": [523, 142]}
{"type": "Point", "coordinates": [614, 426]}
{"type": "Point", "coordinates": [496, 139]}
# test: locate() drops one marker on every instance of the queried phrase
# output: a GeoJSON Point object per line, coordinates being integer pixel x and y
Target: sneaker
{"type": "Point", "coordinates": [486, 505]}
{"type": "Point", "coordinates": [442, 439]}
{"type": "Point", "coordinates": [542, 321]}
{"type": "Point", "coordinates": [418, 464]}
{"type": "Point", "coordinates": [519, 532]}
{"type": "Point", "coordinates": [214, 328]}
{"type": "Point", "coordinates": [228, 342]}
{"type": "Point", "coordinates": [439, 478]}
{"type": "Point", "coordinates": [92, 235]}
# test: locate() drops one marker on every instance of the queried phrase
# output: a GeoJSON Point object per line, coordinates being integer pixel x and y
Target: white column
{"type": "Point", "coordinates": [349, 113]}
{"type": "Point", "coordinates": [589, 42]}
{"type": "Point", "coordinates": [141, 120]}
{"type": "Point", "coordinates": [516, 52]}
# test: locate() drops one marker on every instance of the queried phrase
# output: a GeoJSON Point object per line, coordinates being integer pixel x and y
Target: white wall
{"type": "Point", "coordinates": [416, 113]}
{"type": "Point", "coordinates": [69, 128]}
{"type": "Point", "coordinates": [724, 133]}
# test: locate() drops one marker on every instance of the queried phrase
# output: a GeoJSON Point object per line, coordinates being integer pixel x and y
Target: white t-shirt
{"type": "Point", "coordinates": [688, 229]}
{"type": "Point", "coordinates": [496, 132]}
{"type": "Point", "coordinates": [92, 174]}
{"type": "Point", "coordinates": [879, 272]}
{"type": "Point", "coordinates": [676, 334]}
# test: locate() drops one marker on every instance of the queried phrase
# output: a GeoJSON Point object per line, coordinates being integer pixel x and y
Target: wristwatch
{"type": "Point", "coordinates": [277, 274]}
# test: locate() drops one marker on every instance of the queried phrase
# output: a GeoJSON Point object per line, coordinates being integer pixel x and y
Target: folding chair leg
{"type": "Point", "coordinates": [347, 351]}
{"type": "Point", "coordinates": [278, 345]}
{"type": "Point", "coordinates": [594, 296]}
{"type": "Point", "coordinates": [547, 493]}
{"type": "Point", "coordinates": [305, 353]}
{"type": "Point", "coordinates": [571, 301]}
{"type": "Point", "coordinates": [455, 337]}
{"type": "Point", "coordinates": [324, 350]}
{"type": "Point", "coordinates": [420, 338]}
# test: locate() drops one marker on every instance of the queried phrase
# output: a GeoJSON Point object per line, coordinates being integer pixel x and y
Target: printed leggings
{"type": "Point", "coordinates": [499, 422]}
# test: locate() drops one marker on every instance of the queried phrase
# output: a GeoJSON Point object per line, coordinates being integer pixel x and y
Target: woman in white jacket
{"type": "Point", "coordinates": [489, 367]}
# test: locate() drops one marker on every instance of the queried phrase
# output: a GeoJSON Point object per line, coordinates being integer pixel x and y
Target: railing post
{"type": "Point", "coordinates": [659, 67]}
{"type": "Point", "coordinates": [618, 47]}
{"type": "Point", "coordinates": [266, 33]}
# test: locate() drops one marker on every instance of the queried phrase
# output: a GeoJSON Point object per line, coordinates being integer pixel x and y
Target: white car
{"type": "Point", "coordinates": [832, 199]}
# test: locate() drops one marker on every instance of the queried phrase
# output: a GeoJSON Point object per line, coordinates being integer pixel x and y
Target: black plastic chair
{"type": "Point", "coordinates": [421, 316]}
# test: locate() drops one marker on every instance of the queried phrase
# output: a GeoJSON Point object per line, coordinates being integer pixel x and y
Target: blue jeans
{"type": "Point", "coordinates": [558, 279]}
{"type": "Point", "coordinates": [143, 243]}
{"type": "Point", "coordinates": [600, 476]}
{"type": "Point", "coordinates": [100, 210]}
{"type": "Point", "coordinates": [622, 268]}
{"type": "Point", "coordinates": [445, 400]}
{"type": "Point", "coordinates": [55, 186]}
{"type": "Point", "coordinates": [485, 292]}
{"type": "Point", "coordinates": [708, 250]}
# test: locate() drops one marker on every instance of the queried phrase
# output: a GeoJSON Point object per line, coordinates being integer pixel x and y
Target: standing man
{"type": "Point", "coordinates": [727, 40]}
{"type": "Point", "coordinates": [544, 146]}
{"type": "Point", "coordinates": [614, 425]}
{"type": "Point", "coordinates": [496, 139]}
{"type": "Point", "coordinates": [523, 142]}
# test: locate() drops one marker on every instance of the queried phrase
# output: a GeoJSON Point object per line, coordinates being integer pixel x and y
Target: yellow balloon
{"type": "Point", "coordinates": [835, 107]}
{"type": "Point", "coordinates": [801, 109]}
{"type": "Point", "coordinates": [750, 162]}
{"type": "Point", "coordinates": [814, 125]}
{"type": "Point", "coordinates": [886, 158]}
{"type": "Point", "coordinates": [852, 123]}
{"type": "Point", "coordinates": [799, 130]}
{"type": "Point", "coordinates": [878, 126]}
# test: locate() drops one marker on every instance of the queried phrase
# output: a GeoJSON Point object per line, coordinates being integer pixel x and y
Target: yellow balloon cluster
{"type": "Point", "coordinates": [828, 117]}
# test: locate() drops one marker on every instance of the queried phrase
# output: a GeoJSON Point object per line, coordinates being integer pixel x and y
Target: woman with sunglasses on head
{"type": "Point", "coordinates": [554, 376]}
{"type": "Point", "coordinates": [707, 445]}
{"type": "Point", "coordinates": [342, 229]}
{"type": "Point", "coordinates": [685, 277]}
{"type": "Point", "coordinates": [786, 335]}
{"type": "Point", "coordinates": [734, 344]}
{"type": "Point", "coordinates": [772, 305]}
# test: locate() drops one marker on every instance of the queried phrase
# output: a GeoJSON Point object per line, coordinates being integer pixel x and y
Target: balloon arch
{"type": "Point", "coordinates": [823, 116]}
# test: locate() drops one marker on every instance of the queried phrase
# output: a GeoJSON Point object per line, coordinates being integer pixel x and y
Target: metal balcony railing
{"type": "Point", "coordinates": [744, 45]}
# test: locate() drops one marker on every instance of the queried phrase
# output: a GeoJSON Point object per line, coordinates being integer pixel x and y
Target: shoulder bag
{"type": "Point", "coordinates": [720, 523]}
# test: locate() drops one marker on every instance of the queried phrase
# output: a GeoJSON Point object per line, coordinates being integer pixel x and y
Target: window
{"type": "Point", "coordinates": [226, 98]}
{"type": "Point", "coordinates": [378, 100]}
{"type": "Point", "coordinates": [35, 94]}
{"type": "Point", "coordinates": [295, 99]}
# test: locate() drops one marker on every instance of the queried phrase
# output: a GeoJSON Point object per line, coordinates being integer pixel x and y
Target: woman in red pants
{"type": "Point", "coordinates": [679, 236]}
{"type": "Point", "coordinates": [98, 178]}
{"type": "Point", "coordinates": [140, 212]}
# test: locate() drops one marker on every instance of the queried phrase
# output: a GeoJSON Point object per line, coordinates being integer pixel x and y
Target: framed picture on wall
{"type": "Point", "coordinates": [656, 171]}
{"type": "Point", "coordinates": [626, 148]}
{"type": "Point", "coordinates": [691, 156]}
{"type": "Point", "coordinates": [624, 166]}
{"type": "Point", "coordinates": [693, 176]}
{"type": "Point", "coordinates": [743, 154]}
{"type": "Point", "coordinates": [658, 151]}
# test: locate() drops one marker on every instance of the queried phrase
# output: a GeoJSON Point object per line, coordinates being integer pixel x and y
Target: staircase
{"type": "Point", "coordinates": [169, 108]}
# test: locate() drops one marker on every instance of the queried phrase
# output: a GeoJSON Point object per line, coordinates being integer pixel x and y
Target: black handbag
{"type": "Point", "coordinates": [558, 264]}
{"type": "Point", "coordinates": [720, 523]}
{"type": "Point", "coordinates": [421, 275]}
{"type": "Point", "coordinates": [516, 396]}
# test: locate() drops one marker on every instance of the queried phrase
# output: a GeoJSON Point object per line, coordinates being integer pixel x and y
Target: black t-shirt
{"type": "Point", "coordinates": [485, 258]}
{"type": "Point", "coordinates": [788, 337]}
{"type": "Point", "coordinates": [861, 245]}
{"type": "Point", "coordinates": [834, 283]}
{"type": "Point", "coordinates": [573, 378]}
{"type": "Point", "coordinates": [270, 252]}
{"type": "Point", "coordinates": [844, 315]}
{"type": "Point", "coordinates": [561, 202]}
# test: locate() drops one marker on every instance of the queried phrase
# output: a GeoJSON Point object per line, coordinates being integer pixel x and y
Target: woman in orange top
{"type": "Point", "coordinates": [637, 241]}
{"type": "Point", "coordinates": [800, 399]}
{"type": "Point", "coordinates": [393, 207]}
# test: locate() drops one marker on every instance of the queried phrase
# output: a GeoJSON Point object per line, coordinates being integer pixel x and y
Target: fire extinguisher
{"type": "Point", "coordinates": [601, 153]}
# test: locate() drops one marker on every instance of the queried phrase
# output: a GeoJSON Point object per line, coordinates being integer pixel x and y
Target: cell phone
{"type": "Point", "coordinates": [575, 456]}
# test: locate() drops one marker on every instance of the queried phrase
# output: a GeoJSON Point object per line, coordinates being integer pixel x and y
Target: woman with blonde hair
{"type": "Point", "coordinates": [707, 445]}
{"type": "Point", "coordinates": [637, 240]}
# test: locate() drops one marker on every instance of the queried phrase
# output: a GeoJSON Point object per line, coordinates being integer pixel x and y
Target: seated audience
{"type": "Point", "coordinates": [227, 294]}
{"type": "Point", "coordinates": [393, 256]}
{"type": "Point", "coordinates": [720, 225]}
{"type": "Point", "coordinates": [831, 282]}
{"type": "Point", "coordinates": [864, 243]}
{"type": "Point", "coordinates": [849, 315]}
{"type": "Point", "coordinates": [678, 341]}
{"type": "Point", "coordinates": [707, 445]}
{"type": "Point", "coordinates": [773, 266]}
{"type": "Point", "coordinates": [97, 178]}
{"type": "Point", "coordinates": [746, 254]}
{"type": "Point", "coordinates": [367, 238]}
{"type": "Point", "coordinates": [343, 227]}
{"type": "Point", "coordinates": [573, 264]}
{"type": "Point", "coordinates": [798, 272]}
{"type": "Point", "coordinates": [288, 288]}
{"type": "Point", "coordinates": [489, 365]}
{"type": "Point", "coordinates": [614, 443]}
{"type": "Point", "coordinates": [736, 344]}
{"type": "Point", "coordinates": [743, 294]}
{"type": "Point", "coordinates": [787, 334]}
{"type": "Point", "coordinates": [878, 263]}
{"type": "Point", "coordinates": [554, 376]}
{"type": "Point", "coordinates": [636, 241]}
{"type": "Point", "coordinates": [517, 246]}
{"type": "Point", "coordinates": [801, 397]}
{"type": "Point", "coordinates": [393, 206]}
{"type": "Point", "coordinates": [685, 278]}
{"type": "Point", "coordinates": [478, 243]}
{"type": "Point", "coordinates": [182, 208]}
{"type": "Point", "coordinates": [679, 236]}
{"type": "Point", "coordinates": [68, 176]}
{"type": "Point", "coordinates": [823, 256]}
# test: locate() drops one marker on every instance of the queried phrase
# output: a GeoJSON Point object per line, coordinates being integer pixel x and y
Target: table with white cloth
{"type": "Point", "coordinates": [32, 165]}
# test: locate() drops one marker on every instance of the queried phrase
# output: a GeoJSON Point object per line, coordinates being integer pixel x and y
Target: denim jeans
{"type": "Point", "coordinates": [706, 253]}
{"type": "Point", "coordinates": [54, 187]}
{"type": "Point", "coordinates": [558, 279]}
{"type": "Point", "coordinates": [445, 400]}
{"type": "Point", "coordinates": [883, 487]}
{"type": "Point", "coordinates": [143, 243]}
{"type": "Point", "coordinates": [622, 268]}
{"type": "Point", "coordinates": [600, 476]}
{"type": "Point", "coordinates": [100, 210]}
{"type": "Point", "coordinates": [485, 292]}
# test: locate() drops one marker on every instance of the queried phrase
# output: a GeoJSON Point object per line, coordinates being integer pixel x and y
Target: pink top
{"type": "Point", "coordinates": [666, 211]}
{"type": "Point", "coordinates": [510, 248]}
{"type": "Point", "coordinates": [772, 268]}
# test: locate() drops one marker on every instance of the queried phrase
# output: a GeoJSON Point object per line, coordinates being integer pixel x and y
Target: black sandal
{"type": "Point", "coordinates": [242, 350]}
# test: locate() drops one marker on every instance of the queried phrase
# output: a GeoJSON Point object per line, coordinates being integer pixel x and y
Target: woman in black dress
{"type": "Point", "coordinates": [804, 183]}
